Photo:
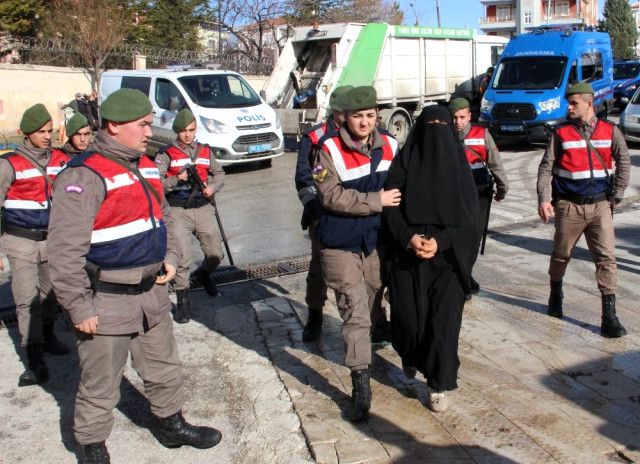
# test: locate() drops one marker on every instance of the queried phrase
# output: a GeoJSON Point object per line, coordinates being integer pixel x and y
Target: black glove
{"type": "Point", "coordinates": [308, 215]}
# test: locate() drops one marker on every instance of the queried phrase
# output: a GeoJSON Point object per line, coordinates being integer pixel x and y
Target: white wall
{"type": "Point", "coordinates": [22, 86]}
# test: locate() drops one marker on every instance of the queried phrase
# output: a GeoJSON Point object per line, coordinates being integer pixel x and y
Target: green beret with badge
{"type": "Point", "coordinates": [182, 120]}
{"type": "Point", "coordinates": [125, 105]}
{"type": "Point", "coordinates": [358, 98]}
{"type": "Point", "coordinates": [580, 88]}
{"type": "Point", "coordinates": [34, 118]}
{"type": "Point", "coordinates": [333, 99]}
{"type": "Point", "coordinates": [77, 122]}
{"type": "Point", "coordinates": [458, 104]}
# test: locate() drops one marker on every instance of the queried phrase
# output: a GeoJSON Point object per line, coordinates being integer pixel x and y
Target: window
{"type": "Point", "coordinates": [591, 64]}
{"type": "Point", "coordinates": [139, 83]}
{"type": "Point", "coordinates": [527, 17]}
{"type": "Point", "coordinates": [562, 9]}
{"type": "Point", "coordinates": [504, 13]}
{"type": "Point", "coordinates": [167, 96]}
{"type": "Point", "coordinates": [219, 91]}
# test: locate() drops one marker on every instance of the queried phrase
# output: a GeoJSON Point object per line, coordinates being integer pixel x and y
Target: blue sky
{"type": "Point", "coordinates": [453, 13]}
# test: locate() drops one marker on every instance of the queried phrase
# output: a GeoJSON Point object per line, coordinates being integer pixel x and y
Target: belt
{"type": "Point", "coordinates": [578, 200]}
{"type": "Point", "coordinates": [145, 285]}
{"type": "Point", "coordinates": [32, 234]}
{"type": "Point", "coordinates": [195, 203]}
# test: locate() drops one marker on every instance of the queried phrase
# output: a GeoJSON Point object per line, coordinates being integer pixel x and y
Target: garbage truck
{"type": "Point", "coordinates": [409, 67]}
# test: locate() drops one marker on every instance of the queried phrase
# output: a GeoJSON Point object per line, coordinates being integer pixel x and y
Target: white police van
{"type": "Point", "coordinates": [235, 121]}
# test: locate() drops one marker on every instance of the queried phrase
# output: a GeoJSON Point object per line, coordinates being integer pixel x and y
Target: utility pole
{"type": "Point", "coordinates": [438, 12]}
{"type": "Point", "coordinates": [219, 30]}
{"type": "Point", "coordinates": [414, 14]}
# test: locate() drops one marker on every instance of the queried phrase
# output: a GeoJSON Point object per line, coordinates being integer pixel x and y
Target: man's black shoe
{"type": "Point", "coordinates": [37, 371]}
{"type": "Point", "coordinates": [360, 395]}
{"type": "Point", "coordinates": [313, 328]}
{"type": "Point", "coordinates": [204, 278]}
{"type": "Point", "coordinates": [473, 285]}
{"type": "Point", "coordinates": [611, 327]}
{"type": "Point", "coordinates": [182, 308]}
{"type": "Point", "coordinates": [555, 300]}
{"type": "Point", "coordinates": [174, 432]}
{"type": "Point", "coordinates": [95, 453]}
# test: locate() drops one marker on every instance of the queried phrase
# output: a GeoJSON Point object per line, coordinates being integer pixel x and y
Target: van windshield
{"type": "Point", "coordinates": [531, 72]}
{"type": "Point", "coordinates": [625, 70]}
{"type": "Point", "coordinates": [219, 91]}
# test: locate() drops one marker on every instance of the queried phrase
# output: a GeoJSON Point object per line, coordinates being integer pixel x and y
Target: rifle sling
{"type": "Point", "coordinates": [35, 165]}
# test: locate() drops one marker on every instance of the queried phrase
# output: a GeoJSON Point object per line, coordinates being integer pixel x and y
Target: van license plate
{"type": "Point", "coordinates": [514, 128]}
{"type": "Point", "coordinates": [259, 148]}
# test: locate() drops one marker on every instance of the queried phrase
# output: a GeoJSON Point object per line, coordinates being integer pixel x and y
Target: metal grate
{"type": "Point", "coordinates": [224, 276]}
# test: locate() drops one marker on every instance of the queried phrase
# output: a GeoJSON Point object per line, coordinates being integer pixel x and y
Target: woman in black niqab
{"type": "Point", "coordinates": [427, 289]}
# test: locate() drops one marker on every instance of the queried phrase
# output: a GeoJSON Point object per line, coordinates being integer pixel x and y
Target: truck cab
{"type": "Point", "coordinates": [526, 93]}
{"type": "Point", "coordinates": [626, 79]}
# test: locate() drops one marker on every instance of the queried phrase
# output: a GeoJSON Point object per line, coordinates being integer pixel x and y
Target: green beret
{"type": "Point", "coordinates": [458, 104]}
{"type": "Point", "coordinates": [182, 120]}
{"type": "Point", "coordinates": [77, 122]}
{"type": "Point", "coordinates": [333, 99]}
{"type": "Point", "coordinates": [358, 98]}
{"type": "Point", "coordinates": [125, 105]}
{"type": "Point", "coordinates": [34, 118]}
{"type": "Point", "coordinates": [579, 88]}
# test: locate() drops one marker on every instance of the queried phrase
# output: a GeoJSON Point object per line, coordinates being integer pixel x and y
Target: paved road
{"type": "Point", "coordinates": [532, 389]}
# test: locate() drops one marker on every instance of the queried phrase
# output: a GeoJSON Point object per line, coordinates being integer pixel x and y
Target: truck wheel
{"type": "Point", "coordinates": [397, 122]}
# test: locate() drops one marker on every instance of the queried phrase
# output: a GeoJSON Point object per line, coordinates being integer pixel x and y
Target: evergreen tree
{"type": "Point", "coordinates": [622, 28]}
{"type": "Point", "coordinates": [174, 23]}
{"type": "Point", "coordinates": [21, 17]}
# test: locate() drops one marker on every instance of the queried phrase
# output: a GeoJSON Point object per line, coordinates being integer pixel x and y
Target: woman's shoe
{"type": "Point", "coordinates": [437, 402]}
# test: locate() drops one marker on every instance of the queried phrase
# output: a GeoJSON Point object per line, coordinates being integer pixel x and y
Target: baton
{"type": "Point", "coordinates": [486, 223]}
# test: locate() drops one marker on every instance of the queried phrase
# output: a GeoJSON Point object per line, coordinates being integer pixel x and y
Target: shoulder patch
{"type": "Point", "coordinates": [74, 188]}
{"type": "Point", "coordinates": [319, 173]}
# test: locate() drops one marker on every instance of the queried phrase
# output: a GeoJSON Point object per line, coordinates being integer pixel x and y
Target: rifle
{"type": "Point", "coordinates": [486, 223]}
{"type": "Point", "coordinates": [197, 184]}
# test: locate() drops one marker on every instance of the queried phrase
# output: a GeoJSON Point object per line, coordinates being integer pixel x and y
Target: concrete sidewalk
{"type": "Point", "coordinates": [532, 389]}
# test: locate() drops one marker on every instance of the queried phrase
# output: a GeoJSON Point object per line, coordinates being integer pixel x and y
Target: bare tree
{"type": "Point", "coordinates": [257, 27]}
{"type": "Point", "coordinates": [366, 11]}
{"type": "Point", "coordinates": [95, 27]}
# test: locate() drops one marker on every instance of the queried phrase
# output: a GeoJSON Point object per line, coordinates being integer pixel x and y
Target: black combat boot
{"type": "Point", "coordinates": [95, 453]}
{"type": "Point", "coordinates": [313, 328]}
{"type": "Point", "coordinates": [555, 300]}
{"type": "Point", "coordinates": [611, 327]}
{"type": "Point", "coordinates": [51, 343]}
{"type": "Point", "coordinates": [204, 278]}
{"type": "Point", "coordinates": [174, 432]}
{"type": "Point", "coordinates": [37, 369]}
{"type": "Point", "coordinates": [360, 396]}
{"type": "Point", "coordinates": [182, 311]}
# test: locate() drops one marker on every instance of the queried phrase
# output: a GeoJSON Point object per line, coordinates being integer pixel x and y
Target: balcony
{"type": "Point", "coordinates": [497, 23]}
{"type": "Point", "coordinates": [498, 2]}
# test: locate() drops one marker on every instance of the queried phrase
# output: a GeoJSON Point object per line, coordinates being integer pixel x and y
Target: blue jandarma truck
{"type": "Point", "coordinates": [526, 94]}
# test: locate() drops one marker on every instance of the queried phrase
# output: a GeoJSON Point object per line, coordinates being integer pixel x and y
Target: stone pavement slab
{"type": "Point", "coordinates": [532, 389]}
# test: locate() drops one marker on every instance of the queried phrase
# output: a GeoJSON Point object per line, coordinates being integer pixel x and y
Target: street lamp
{"type": "Point", "coordinates": [414, 14]}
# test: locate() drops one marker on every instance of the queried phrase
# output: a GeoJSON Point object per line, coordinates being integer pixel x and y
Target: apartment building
{"type": "Point", "coordinates": [507, 18]}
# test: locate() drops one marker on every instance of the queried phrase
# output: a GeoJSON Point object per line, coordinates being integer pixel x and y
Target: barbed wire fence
{"type": "Point", "coordinates": [60, 52]}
